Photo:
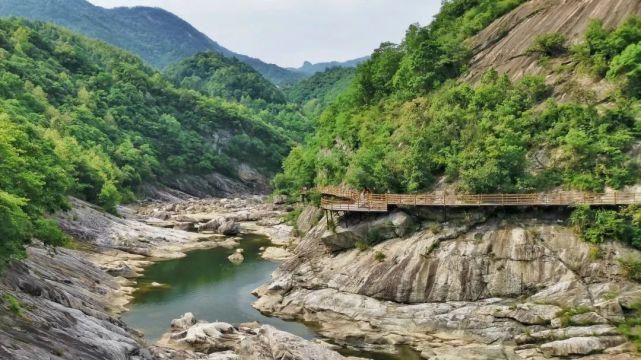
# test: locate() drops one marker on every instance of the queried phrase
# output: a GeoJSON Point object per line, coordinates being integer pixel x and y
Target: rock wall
{"type": "Point", "coordinates": [504, 43]}
{"type": "Point", "coordinates": [64, 303]}
{"type": "Point", "coordinates": [474, 280]}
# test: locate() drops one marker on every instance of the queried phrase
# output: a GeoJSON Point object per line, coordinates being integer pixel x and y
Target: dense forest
{"type": "Point", "coordinates": [159, 37]}
{"type": "Point", "coordinates": [215, 75]}
{"type": "Point", "coordinates": [314, 94]}
{"type": "Point", "coordinates": [78, 117]}
{"type": "Point", "coordinates": [406, 122]}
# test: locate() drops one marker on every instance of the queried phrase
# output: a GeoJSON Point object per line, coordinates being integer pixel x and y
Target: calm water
{"type": "Point", "coordinates": [213, 289]}
{"type": "Point", "coordinates": [208, 285]}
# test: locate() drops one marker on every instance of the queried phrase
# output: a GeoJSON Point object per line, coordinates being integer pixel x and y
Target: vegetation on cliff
{"type": "Point", "coordinates": [406, 122]}
{"type": "Point", "coordinates": [83, 118]}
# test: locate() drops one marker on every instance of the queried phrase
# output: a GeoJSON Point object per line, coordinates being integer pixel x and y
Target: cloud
{"type": "Point", "coordinates": [287, 32]}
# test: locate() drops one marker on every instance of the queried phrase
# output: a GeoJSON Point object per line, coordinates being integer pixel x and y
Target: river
{"type": "Point", "coordinates": [208, 285]}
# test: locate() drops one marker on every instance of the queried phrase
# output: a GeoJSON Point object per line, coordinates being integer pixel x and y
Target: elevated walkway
{"type": "Point", "coordinates": [345, 199]}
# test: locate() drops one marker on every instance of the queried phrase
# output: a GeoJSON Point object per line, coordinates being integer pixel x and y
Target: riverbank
{"type": "Point", "coordinates": [68, 300]}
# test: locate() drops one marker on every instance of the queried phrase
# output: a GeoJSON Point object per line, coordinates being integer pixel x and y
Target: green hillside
{"type": "Point", "coordinates": [317, 92]}
{"type": "Point", "coordinates": [407, 122]}
{"type": "Point", "coordinates": [157, 36]}
{"type": "Point", "coordinates": [215, 75]}
{"type": "Point", "coordinates": [78, 117]}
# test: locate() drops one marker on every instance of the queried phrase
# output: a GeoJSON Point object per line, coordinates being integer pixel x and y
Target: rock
{"type": "Point", "coordinates": [249, 342]}
{"type": "Point", "coordinates": [229, 228]}
{"type": "Point", "coordinates": [581, 345]}
{"type": "Point", "coordinates": [184, 322]}
{"type": "Point", "coordinates": [211, 225]}
{"type": "Point", "coordinates": [589, 318]}
{"type": "Point", "coordinates": [308, 218]}
{"type": "Point", "coordinates": [276, 253]}
{"type": "Point", "coordinates": [236, 258]}
{"type": "Point", "coordinates": [279, 199]}
{"type": "Point", "coordinates": [377, 229]}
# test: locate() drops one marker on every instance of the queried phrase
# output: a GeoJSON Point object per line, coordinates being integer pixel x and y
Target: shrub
{"type": "Point", "coordinates": [632, 267]}
{"type": "Point", "coordinates": [362, 245]}
{"type": "Point", "coordinates": [379, 256]}
{"type": "Point", "coordinates": [436, 228]}
{"type": "Point", "coordinates": [552, 45]}
{"type": "Point", "coordinates": [13, 304]}
{"type": "Point", "coordinates": [631, 326]}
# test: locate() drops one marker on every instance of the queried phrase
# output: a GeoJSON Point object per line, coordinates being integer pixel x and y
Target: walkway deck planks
{"type": "Point", "coordinates": [345, 199]}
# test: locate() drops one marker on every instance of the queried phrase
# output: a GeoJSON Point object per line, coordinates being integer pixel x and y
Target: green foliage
{"type": "Point", "coordinates": [567, 314]}
{"type": "Point", "coordinates": [215, 75]}
{"type": "Point", "coordinates": [362, 245]}
{"type": "Point", "coordinates": [314, 94]}
{"type": "Point", "coordinates": [219, 76]}
{"type": "Point", "coordinates": [600, 225]}
{"type": "Point", "coordinates": [13, 304]}
{"type": "Point", "coordinates": [78, 117]}
{"type": "Point", "coordinates": [379, 256]}
{"type": "Point", "coordinates": [160, 38]}
{"type": "Point", "coordinates": [631, 326]}
{"type": "Point", "coordinates": [400, 128]}
{"type": "Point", "coordinates": [552, 45]}
{"type": "Point", "coordinates": [601, 45]}
{"type": "Point", "coordinates": [632, 267]}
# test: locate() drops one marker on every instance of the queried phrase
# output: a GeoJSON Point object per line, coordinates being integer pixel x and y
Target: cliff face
{"type": "Point", "coordinates": [521, 287]}
{"type": "Point", "coordinates": [62, 311]}
{"type": "Point", "coordinates": [503, 44]}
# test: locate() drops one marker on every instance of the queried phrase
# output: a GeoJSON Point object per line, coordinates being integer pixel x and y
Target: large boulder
{"type": "Point", "coordinates": [375, 230]}
{"type": "Point", "coordinates": [229, 228]}
{"type": "Point", "coordinates": [308, 218]}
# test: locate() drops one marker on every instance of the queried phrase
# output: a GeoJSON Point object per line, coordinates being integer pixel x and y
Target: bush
{"type": "Point", "coordinates": [362, 245]}
{"type": "Point", "coordinates": [552, 45]}
{"type": "Point", "coordinates": [379, 256]}
{"type": "Point", "coordinates": [13, 304]}
{"type": "Point", "coordinates": [631, 326]}
{"type": "Point", "coordinates": [632, 267]}
{"type": "Point", "coordinates": [599, 225]}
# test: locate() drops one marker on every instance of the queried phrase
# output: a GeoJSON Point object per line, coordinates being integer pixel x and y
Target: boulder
{"type": "Point", "coordinates": [229, 228]}
{"type": "Point", "coordinates": [308, 218]}
{"type": "Point", "coordinates": [581, 345]}
{"type": "Point", "coordinates": [236, 258]}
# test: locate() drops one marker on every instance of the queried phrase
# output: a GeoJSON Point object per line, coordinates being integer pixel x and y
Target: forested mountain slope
{"type": "Point", "coordinates": [314, 94]}
{"type": "Point", "coordinates": [159, 37]}
{"type": "Point", "coordinates": [311, 69]}
{"type": "Point", "coordinates": [215, 75]}
{"type": "Point", "coordinates": [411, 122]}
{"type": "Point", "coordinates": [78, 117]}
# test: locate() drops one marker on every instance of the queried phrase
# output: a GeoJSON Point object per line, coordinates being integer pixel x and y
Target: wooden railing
{"type": "Point", "coordinates": [337, 198]}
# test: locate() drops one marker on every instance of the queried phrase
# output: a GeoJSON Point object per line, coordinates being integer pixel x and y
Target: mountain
{"type": "Point", "coordinates": [79, 117]}
{"type": "Point", "coordinates": [215, 75]}
{"type": "Point", "coordinates": [491, 97]}
{"type": "Point", "coordinates": [315, 93]}
{"type": "Point", "coordinates": [310, 69]}
{"type": "Point", "coordinates": [159, 37]}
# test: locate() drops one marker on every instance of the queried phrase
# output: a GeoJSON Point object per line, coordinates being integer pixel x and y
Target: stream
{"type": "Point", "coordinates": [208, 285]}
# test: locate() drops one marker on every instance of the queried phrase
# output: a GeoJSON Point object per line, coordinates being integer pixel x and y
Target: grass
{"type": "Point", "coordinates": [595, 253]}
{"type": "Point", "coordinates": [13, 304]}
{"type": "Point", "coordinates": [362, 245]}
{"type": "Point", "coordinates": [567, 314]}
{"type": "Point", "coordinates": [436, 228]}
{"type": "Point", "coordinates": [631, 326]}
{"type": "Point", "coordinates": [379, 256]}
{"type": "Point", "coordinates": [631, 265]}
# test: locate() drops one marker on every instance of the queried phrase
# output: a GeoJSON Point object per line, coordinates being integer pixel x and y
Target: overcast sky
{"type": "Point", "coordinates": [287, 32]}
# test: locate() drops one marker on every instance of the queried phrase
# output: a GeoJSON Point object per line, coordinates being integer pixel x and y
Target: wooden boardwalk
{"type": "Point", "coordinates": [345, 199]}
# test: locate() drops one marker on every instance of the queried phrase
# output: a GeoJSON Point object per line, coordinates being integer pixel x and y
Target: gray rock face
{"type": "Point", "coordinates": [466, 283]}
{"type": "Point", "coordinates": [64, 303]}
{"type": "Point", "coordinates": [223, 341]}
{"type": "Point", "coordinates": [380, 228]}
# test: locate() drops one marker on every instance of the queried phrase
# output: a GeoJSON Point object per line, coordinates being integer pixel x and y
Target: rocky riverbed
{"type": "Point", "coordinates": [64, 303]}
{"type": "Point", "coordinates": [473, 285]}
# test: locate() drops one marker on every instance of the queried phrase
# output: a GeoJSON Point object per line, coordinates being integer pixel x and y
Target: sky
{"type": "Point", "coordinates": [288, 32]}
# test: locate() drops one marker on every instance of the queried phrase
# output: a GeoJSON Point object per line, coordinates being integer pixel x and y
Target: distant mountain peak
{"type": "Point", "coordinates": [158, 36]}
{"type": "Point", "coordinates": [311, 68]}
